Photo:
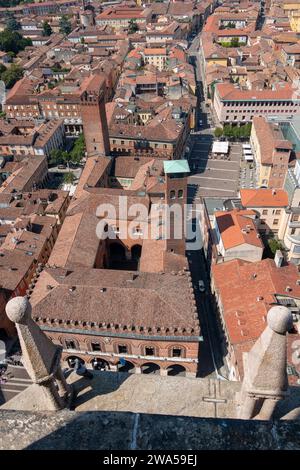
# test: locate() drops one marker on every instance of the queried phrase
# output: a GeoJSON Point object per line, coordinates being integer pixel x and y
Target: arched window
{"type": "Point", "coordinates": [172, 194]}
{"type": "Point", "coordinates": [71, 344]}
{"type": "Point", "coordinates": [149, 351]}
{"type": "Point", "coordinates": [180, 194]}
{"type": "Point", "coordinates": [122, 349]}
{"type": "Point", "coordinates": [176, 351]}
{"type": "Point", "coordinates": [95, 346]}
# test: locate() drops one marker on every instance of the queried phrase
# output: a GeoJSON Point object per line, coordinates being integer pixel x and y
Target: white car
{"type": "Point", "coordinates": [201, 286]}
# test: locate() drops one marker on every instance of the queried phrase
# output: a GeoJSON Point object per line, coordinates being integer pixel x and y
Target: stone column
{"type": "Point", "coordinates": [137, 370]}
{"type": "Point", "coordinates": [53, 401]}
{"type": "Point", "coordinates": [64, 389]}
{"type": "Point", "coordinates": [41, 357]}
{"type": "Point", "coordinates": [248, 407]}
{"type": "Point", "coordinates": [163, 372]}
{"type": "Point", "coordinates": [267, 409]}
{"type": "Point", "coordinates": [265, 373]}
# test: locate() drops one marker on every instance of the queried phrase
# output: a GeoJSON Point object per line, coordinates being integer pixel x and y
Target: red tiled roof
{"type": "Point", "coordinates": [237, 227]}
{"type": "Point", "coordinates": [247, 292]}
{"type": "Point", "coordinates": [264, 198]}
{"type": "Point", "coordinates": [230, 92]}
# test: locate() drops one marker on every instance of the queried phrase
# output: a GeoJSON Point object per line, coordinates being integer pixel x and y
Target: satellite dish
{"type": "Point", "coordinates": [2, 92]}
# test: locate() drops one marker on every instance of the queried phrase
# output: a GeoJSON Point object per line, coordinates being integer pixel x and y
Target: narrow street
{"type": "Point", "coordinates": [211, 362]}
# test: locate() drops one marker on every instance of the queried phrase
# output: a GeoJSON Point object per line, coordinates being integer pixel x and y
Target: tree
{"type": "Point", "coordinates": [77, 152]}
{"type": "Point", "coordinates": [65, 26]}
{"type": "Point", "coordinates": [11, 55]}
{"type": "Point", "coordinates": [13, 41]}
{"type": "Point", "coordinates": [59, 156]}
{"type": "Point", "coordinates": [56, 157]}
{"type": "Point", "coordinates": [228, 131]}
{"type": "Point", "coordinates": [69, 178]}
{"type": "Point", "coordinates": [2, 69]}
{"type": "Point", "coordinates": [47, 30]}
{"type": "Point", "coordinates": [12, 3]}
{"type": "Point", "coordinates": [67, 158]}
{"type": "Point", "coordinates": [12, 75]}
{"type": "Point", "coordinates": [274, 245]}
{"type": "Point", "coordinates": [235, 42]}
{"type": "Point", "coordinates": [12, 24]}
{"type": "Point", "coordinates": [133, 26]}
{"type": "Point", "coordinates": [218, 132]}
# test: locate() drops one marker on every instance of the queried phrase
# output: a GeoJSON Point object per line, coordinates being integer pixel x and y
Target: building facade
{"type": "Point", "coordinates": [235, 106]}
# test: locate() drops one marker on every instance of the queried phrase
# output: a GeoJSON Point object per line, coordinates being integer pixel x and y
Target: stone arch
{"type": "Point", "coordinates": [105, 264]}
{"type": "Point", "coordinates": [136, 251]}
{"type": "Point", "coordinates": [120, 342]}
{"type": "Point", "coordinates": [147, 346]}
{"type": "Point", "coordinates": [117, 251]}
{"type": "Point", "coordinates": [176, 369]}
{"type": "Point", "coordinates": [99, 364]}
{"type": "Point", "coordinates": [71, 360]}
{"type": "Point", "coordinates": [127, 367]}
{"type": "Point", "coordinates": [175, 347]}
{"type": "Point", "coordinates": [89, 341]}
{"type": "Point", "coordinates": [150, 368]}
{"type": "Point", "coordinates": [67, 342]}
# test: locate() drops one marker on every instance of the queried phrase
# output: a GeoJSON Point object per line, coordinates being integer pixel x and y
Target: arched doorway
{"type": "Point", "coordinates": [71, 361]}
{"type": "Point", "coordinates": [117, 256]}
{"type": "Point", "coordinates": [99, 364]}
{"type": "Point", "coordinates": [117, 252]}
{"type": "Point", "coordinates": [176, 369]}
{"type": "Point", "coordinates": [127, 367]}
{"type": "Point", "coordinates": [150, 368]}
{"type": "Point", "coordinates": [136, 252]}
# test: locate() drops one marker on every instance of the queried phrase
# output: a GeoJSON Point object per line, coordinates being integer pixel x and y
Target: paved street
{"type": "Point", "coordinates": [214, 175]}
{"type": "Point", "coordinates": [247, 175]}
{"type": "Point", "coordinates": [17, 381]}
{"type": "Point", "coordinates": [210, 177]}
{"type": "Point", "coordinates": [211, 362]}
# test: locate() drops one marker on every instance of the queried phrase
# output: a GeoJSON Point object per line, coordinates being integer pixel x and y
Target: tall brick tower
{"type": "Point", "coordinates": [93, 116]}
{"type": "Point", "coordinates": [176, 172]}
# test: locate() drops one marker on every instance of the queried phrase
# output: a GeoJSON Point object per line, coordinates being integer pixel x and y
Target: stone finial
{"type": "Point", "coordinates": [40, 356]}
{"type": "Point", "coordinates": [18, 309]}
{"type": "Point", "coordinates": [280, 319]}
{"type": "Point", "coordinates": [265, 377]}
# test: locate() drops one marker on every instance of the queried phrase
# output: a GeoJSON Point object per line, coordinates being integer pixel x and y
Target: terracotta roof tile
{"type": "Point", "coordinates": [237, 227]}
{"type": "Point", "coordinates": [263, 198]}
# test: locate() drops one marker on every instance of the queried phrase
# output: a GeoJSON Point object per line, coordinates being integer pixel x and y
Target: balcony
{"type": "Point", "coordinates": [295, 224]}
{"type": "Point", "coordinates": [295, 239]}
